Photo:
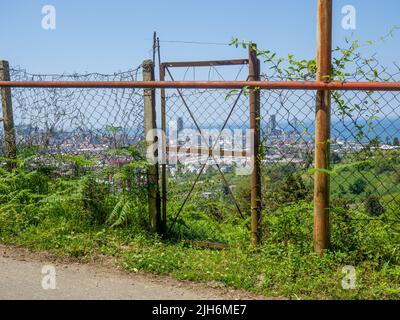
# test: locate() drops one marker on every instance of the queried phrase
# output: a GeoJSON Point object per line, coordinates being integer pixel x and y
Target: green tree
{"type": "Point", "coordinates": [358, 186]}
{"type": "Point", "coordinates": [373, 206]}
{"type": "Point", "coordinates": [375, 142]}
{"type": "Point", "coordinates": [396, 141]}
{"type": "Point", "coordinates": [113, 132]}
{"type": "Point", "coordinates": [242, 192]}
{"type": "Point", "coordinates": [292, 189]}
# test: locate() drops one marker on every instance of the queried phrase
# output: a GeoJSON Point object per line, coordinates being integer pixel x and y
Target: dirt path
{"type": "Point", "coordinates": [21, 278]}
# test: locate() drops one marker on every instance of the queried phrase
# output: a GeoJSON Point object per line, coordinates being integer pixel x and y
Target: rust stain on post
{"type": "Point", "coordinates": [149, 127]}
{"type": "Point", "coordinates": [254, 75]}
{"type": "Point", "coordinates": [322, 128]}
{"type": "Point", "coordinates": [164, 153]}
{"type": "Point", "coordinates": [10, 146]}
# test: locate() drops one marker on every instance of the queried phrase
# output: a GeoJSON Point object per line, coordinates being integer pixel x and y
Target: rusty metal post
{"type": "Point", "coordinates": [322, 128]}
{"type": "Point", "coordinates": [151, 138]}
{"type": "Point", "coordinates": [164, 152]}
{"type": "Point", "coordinates": [10, 146]}
{"type": "Point", "coordinates": [254, 75]}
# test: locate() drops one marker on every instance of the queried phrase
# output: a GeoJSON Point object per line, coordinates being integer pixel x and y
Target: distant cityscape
{"type": "Point", "coordinates": [283, 142]}
{"type": "Point", "coordinates": [291, 142]}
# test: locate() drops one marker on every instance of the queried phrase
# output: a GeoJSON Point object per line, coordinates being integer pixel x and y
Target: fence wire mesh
{"type": "Point", "coordinates": [287, 127]}
{"type": "Point", "coordinates": [365, 149]}
{"type": "Point", "coordinates": [206, 119]}
{"type": "Point", "coordinates": [365, 170]}
{"type": "Point", "coordinates": [365, 153]}
{"type": "Point", "coordinates": [78, 121]}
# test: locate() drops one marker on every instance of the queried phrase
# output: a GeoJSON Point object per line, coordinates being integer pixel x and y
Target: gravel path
{"type": "Point", "coordinates": [21, 278]}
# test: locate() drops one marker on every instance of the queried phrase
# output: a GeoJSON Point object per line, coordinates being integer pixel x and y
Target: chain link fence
{"type": "Point", "coordinates": [208, 195]}
{"type": "Point", "coordinates": [207, 119]}
{"type": "Point", "coordinates": [203, 198]}
{"type": "Point", "coordinates": [365, 132]}
{"type": "Point", "coordinates": [91, 123]}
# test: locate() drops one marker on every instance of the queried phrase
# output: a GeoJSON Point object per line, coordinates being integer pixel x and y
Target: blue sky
{"type": "Point", "coordinates": [106, 36]}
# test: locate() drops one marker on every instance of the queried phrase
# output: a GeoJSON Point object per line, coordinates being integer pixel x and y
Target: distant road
{"type": "Point", "coordinates": [21, 278]}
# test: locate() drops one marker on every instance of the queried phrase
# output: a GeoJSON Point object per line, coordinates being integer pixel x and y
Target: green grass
{"type": "Point", "coordinates": [282, 266]}
{"type": "Point", "coordinates": [272, 270]}
{"type": "Point", "coordinates": [78, 217]}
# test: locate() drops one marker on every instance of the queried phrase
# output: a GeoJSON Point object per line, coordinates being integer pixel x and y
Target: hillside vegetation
{"type": "Point", "coordinates": [80, 214]}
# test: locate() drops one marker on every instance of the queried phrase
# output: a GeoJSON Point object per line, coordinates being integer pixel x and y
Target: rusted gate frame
{"type": "Point", "coordinates": [212, 154]}
{"type": "Point", "coordinates": [165, 67]}
{"type": "Point", "coordinates": [210, 63]}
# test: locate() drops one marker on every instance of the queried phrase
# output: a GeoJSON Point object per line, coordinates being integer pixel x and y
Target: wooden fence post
{"type": "Point", "coordinates": [322, 128]}
{"type": "Point", "coordinates": [254, 75]}
{"type": "Point", "coordinates": [149, 129]}
{"type": "Point", "coordinates": [10, 146]}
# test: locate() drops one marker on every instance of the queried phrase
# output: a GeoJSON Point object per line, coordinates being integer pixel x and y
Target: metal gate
{"type": "Point", "coordinates": [209, 130]}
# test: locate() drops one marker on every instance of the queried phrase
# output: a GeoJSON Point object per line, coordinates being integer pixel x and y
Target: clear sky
{"type": "Point", "coordinates": [106, 36]}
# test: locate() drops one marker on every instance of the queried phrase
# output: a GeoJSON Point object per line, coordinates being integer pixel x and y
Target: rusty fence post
{"type": "Point", "coordinates": [164, 150]}
{"type": "Point", "coordinates": [322, 128]}
{"type": "Point", "coordinates": [254, 75]}
{"type": "Point", "coordinates": [151, 138]}
{"type": "Point", "coordinates": [10, 146]}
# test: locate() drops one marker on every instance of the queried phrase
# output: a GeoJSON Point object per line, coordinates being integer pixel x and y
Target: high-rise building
{"type": "Point", "coordinates": [179, 125]}
{"type": "Point", "coordinates": [179, 129]}
{"type": "Point", "coordinates": [272, 124]}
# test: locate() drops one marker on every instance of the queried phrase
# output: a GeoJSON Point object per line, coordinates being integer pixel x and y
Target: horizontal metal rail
{"type": "Point", "coordinates": [283, 85]}
{"type": "Point", "coordinates": [205, 63]}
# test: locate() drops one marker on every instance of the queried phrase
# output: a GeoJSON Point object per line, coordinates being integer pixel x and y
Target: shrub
{"type": "Point", "coordinates": [373, 206]}
{"type": "Point", "coordinates": [94, 195]}
{"type": "Point", "coordinates": [358, 186]}
{"type": "Point", "coordinates": [290, 225]}
{"type": "Point", "coordinates": [243, 193]}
